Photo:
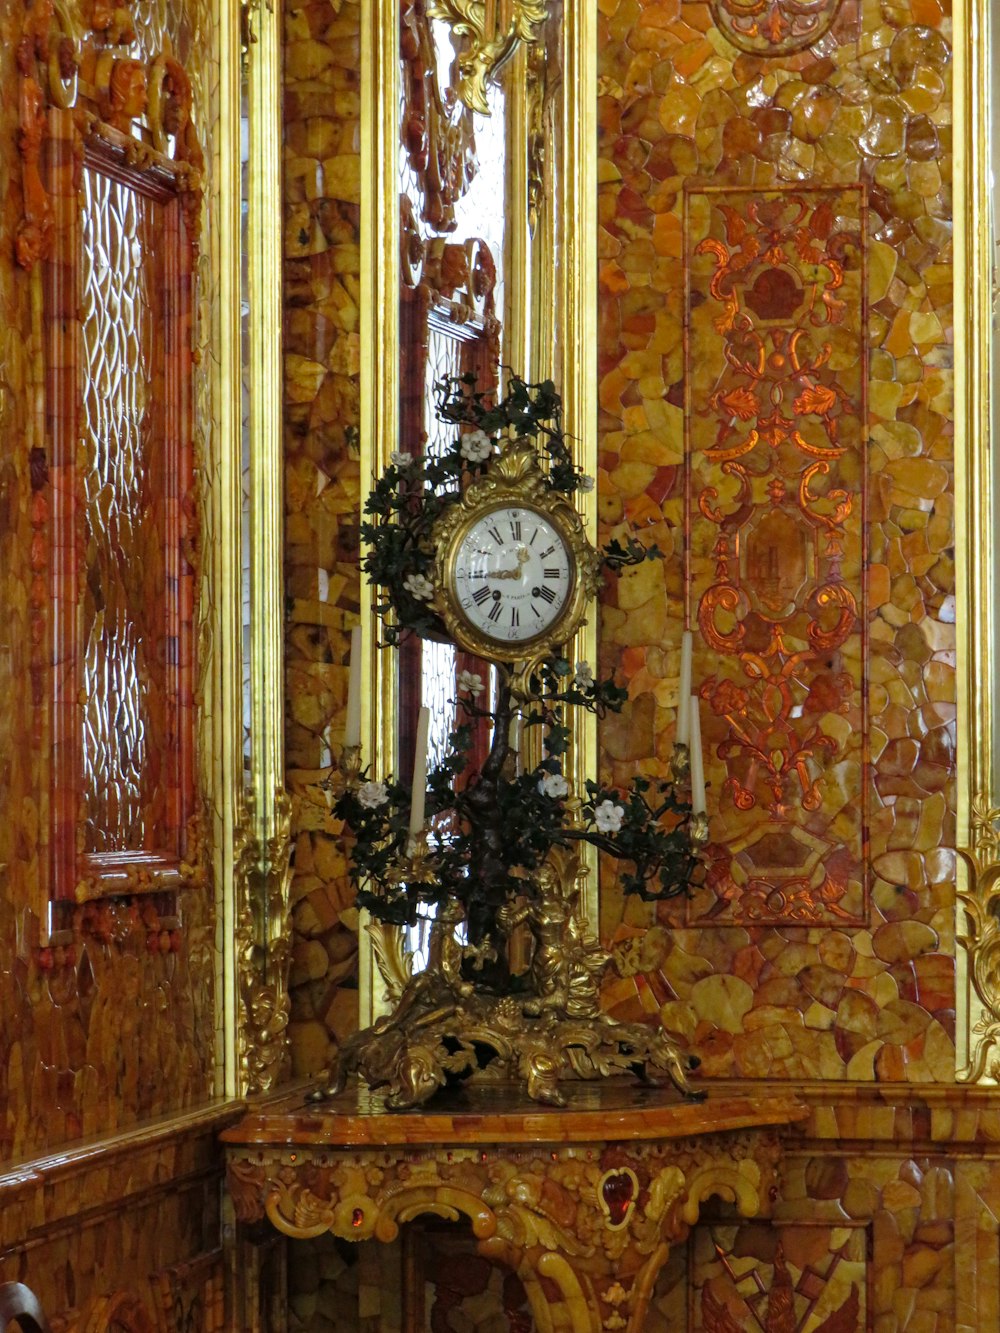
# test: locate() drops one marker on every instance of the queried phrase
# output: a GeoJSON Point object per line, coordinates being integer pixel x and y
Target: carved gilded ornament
{"type": "Point", "coordinates": [980, 902]}
{"type": "Point", "coordinates": [442, 1028]}
{"type": "Point", "coordinates": [437, 136]}
{"type": "Point", "coordinates": [263, 948]}
{"type": "Point", "coordinates": [493, 32]}
{"type": "Point", "coordinates": [543, 1212]}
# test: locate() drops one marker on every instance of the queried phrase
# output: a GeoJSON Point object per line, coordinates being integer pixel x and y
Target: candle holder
{"type": "Point", "coordinates": [680, 763]}
{"type": "Point", "coordinates": [416, 866]}
{"type": "Point", "coordinates": [347, 775]}
{"type": "Point", "coordinates": [698, 829]}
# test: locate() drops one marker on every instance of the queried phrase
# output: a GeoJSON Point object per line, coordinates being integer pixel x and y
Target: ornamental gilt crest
{"type": "Point", "coordinates": [494, 29]}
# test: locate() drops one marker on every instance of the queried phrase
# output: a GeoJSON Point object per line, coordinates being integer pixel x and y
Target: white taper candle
{"type": "Point", "coordinates": [419, 792]}
{"type": "Point", "coordinates": [697, 760]}
{"type": "Point", "coordinates": [352, 727]}
{"type": "Point", "coordinates": [684, 691]}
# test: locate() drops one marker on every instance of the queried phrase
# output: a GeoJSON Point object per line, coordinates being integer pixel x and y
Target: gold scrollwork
{"type": "Point", "coordinates": [980, 902]}
{"type": "Point", "coordinates": [491, 42]}
{"type": "Point", "coordinates": [263, 933]}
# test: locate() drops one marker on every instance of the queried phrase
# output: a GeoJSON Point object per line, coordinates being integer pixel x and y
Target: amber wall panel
{"type": "Point", "coordinates": [133, 1229]}
{"type": "Point", "coordinates": [694, 105]}
{"type": "Point", "coordinates": [322, 168]}
{"type": "Point", "coordinates": [114, 1021]}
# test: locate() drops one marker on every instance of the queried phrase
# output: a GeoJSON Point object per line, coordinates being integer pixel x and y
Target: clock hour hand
{"type": "Point", "coordinates": [523, 556]}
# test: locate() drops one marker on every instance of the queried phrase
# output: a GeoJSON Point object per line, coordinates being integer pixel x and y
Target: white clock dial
{"type": "Point", "coordinates": [512, 574]}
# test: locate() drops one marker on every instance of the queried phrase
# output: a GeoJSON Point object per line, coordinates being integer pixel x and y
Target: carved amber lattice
{"type": "Point", "coordinates": [776, 453]}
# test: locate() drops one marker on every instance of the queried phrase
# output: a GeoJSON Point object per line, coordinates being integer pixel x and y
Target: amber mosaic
{"type": "Point", "coordinates": [322, 172]}
{"type": "Point", "coordinates": [862, 113]}
{"type": "Point", "coordinates": [111, 1019]}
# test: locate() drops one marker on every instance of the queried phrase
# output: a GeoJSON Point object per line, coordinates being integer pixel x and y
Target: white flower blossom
{"type": "Point", "coordinates": [583, 676]}
{"type": "Point", "coordinates": [553, 784]}
{"type": "Point", "coordinates": [608, 817]}
{"type": "Point", "coordinates": [585, 483]}
{"type": "Point", "coordinates": [471, 681]}
{"type": "Point", "coordinates": [401, 459]}
{"type": "Point", "coordinates": [476, 446]}
{"type": "Point", "coordinates": [418, 586]}
{"type": "Point", "coordinates": [373, 794]}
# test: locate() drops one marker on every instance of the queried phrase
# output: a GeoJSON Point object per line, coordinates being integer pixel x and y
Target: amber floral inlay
{"type": "Point", "coordinates": [775, 375]}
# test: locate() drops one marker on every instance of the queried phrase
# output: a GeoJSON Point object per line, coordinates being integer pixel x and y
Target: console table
{"type": "Point", "coordinates": [582, 1202]}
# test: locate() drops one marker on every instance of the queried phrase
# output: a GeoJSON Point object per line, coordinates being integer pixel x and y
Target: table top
{"type": "Point", "coordinates": [607, 1111]}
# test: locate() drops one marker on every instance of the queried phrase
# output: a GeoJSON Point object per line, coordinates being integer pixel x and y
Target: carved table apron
{"type": "Point", "coordinates": [583, 1202]}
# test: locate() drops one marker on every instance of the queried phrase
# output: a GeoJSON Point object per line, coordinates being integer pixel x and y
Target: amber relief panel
{"type": "Point", "coordinates": [113, 998]}
{"type": "Point", "coordinates": [775, 383]}
{"type": "Point", "coordinates": [776, 447]}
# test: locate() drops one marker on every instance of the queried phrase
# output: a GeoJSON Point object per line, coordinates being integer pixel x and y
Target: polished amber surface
{"type": "Point", "coordinates": [322, 497]}
{"type": "Point", "coordinates": [110, 1020]}
{"type": "Point", "coordinates": [775, 390]}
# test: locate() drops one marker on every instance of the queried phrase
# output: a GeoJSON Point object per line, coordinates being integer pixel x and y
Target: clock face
{"type": "Point", "coordinates": [512, 574]}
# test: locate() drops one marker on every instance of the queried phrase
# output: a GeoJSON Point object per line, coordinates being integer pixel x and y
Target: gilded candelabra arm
{"type": "Point", "coordinates": [980, 902]}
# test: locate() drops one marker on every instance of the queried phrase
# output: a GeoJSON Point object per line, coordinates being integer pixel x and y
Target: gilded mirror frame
{"type": "Point", "coordinates": [978, 995]}
{"type": "Point", "coordinates": [551, 253]}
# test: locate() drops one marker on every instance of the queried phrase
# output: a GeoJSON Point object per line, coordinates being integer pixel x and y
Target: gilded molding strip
{"type": "Point", "coordinates": [975, 500]}
{"type": "Point", "coordinates": [574, 238]}
{"type": "Point", "coordinates": [222, 716]}
{"type": "Point", "coordinates": [379, 321]}
{"type": "Point", "coordinates": [264, 835]}
{"type": "Point", "coordinates": [979, 900]}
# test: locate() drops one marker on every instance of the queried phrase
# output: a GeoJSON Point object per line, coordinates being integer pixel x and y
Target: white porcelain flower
{"type": "Point", "coordinates": [471, 681]}
{"type": "Point", "coordinates": [553, 784]}
{"type": "Point", "coordinates": [608, 817]}
{"type": "Point", "coordinates": [583, 675]}
{"type": "Point", "coordinates": [585, 483]}
{"type": "Point", "coordinates": [476, 446]}
{"type": "Point", "coordinates": [373, 794]}
{"type": "Point", "coordinates": [401, 459]}
{"type": "Point", "coordinates": [419, 586]}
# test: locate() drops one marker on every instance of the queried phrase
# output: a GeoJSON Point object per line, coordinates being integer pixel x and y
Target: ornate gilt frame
{"type": "Point", "coordinates": [978, 983]}
{"type": "Point", "coordinates": [515, 479]}
{"type": "Point", "coordinates": [553, 115]}
{"type": "Point", "coordinates": [262, 832]}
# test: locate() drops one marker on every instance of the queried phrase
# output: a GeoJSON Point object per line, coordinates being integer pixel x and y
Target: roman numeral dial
{"type": "Point", "coordinates": [512, 574]}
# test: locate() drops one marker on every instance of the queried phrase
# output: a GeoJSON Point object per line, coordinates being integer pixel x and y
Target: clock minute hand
{"type": "Point", "coordinates": [523, 556]}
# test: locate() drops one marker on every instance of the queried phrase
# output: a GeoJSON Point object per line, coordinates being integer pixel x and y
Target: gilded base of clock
{"type": "Point", "coordinates": [440, 1045]}
{"type": "Point", "coordinates": [444, 1030]}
